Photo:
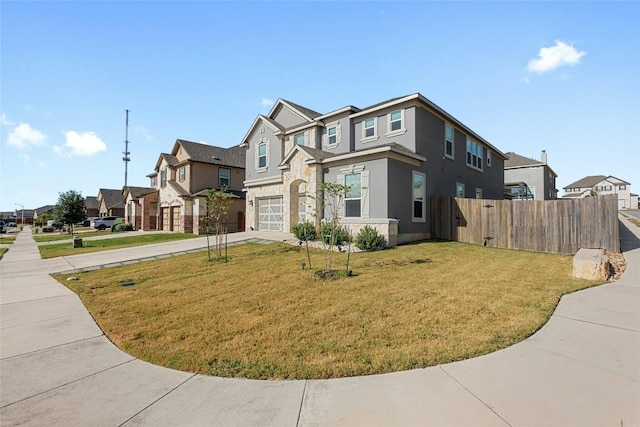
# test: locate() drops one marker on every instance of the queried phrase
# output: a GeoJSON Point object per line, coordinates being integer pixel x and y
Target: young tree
{"type": "Point", "coordinates": [333, 196]}
{"type": "Point", "coordinates": [215, 220]}
{"type": "Point", "coordinates": [70, 208]}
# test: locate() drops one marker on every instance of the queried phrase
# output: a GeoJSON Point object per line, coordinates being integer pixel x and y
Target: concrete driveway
{"type": "Point", "coordinates": [58, 368]}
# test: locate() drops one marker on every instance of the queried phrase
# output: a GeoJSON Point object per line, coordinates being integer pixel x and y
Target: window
{"type": "Point", "coordinates": [299, 139]}
{"type": "Point", "coordinates": [607, 188]}
{"type": "Point", "coordinates": [369, 128]}
{"type": "Point", "coordinates": [163, 178]}
{"type": "Point", "coordinates": [488, 158]}
{"type": "Point", "coordinates": [459, 189]}
{"type": "Point", "coordinates": [262, 155]}
{"type": "Point", "coordinates": [224, 177]}
{"type": "Point", "coordinates": [448, 141]}
{"type": "Point", "coordinates": [622, 187]}
{"type": "Point", "coordinates": [419, 197]}
{"type": "Point", "coordinates": [478, 193]}
{"type": "Point", "coordinates": [154, 181]}
{"type": "Point", "coordinates": [395, 120]}
{"type": "Point", "coordinates": [353, 194]}
{"type": "Point", "coordinates": [332, 135]}
{"type": "Point", "coordinates": [181, 173]}
{"type": "Point", "coordinates": [474, 154]}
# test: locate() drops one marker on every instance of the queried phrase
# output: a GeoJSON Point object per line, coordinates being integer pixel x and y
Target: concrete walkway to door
{"type": "Point", "coordinates": [58, 368]}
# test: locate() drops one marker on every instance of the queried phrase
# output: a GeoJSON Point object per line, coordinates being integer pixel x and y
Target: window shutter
{"type": "Point", "coordinates": [364, 201]}
{"type": "Point", "coordinates": [306, 139]}
{"type": "Point", "coordinates": [338, 133]}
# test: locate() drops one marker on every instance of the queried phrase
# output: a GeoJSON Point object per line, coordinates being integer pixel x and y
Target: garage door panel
{"type": "Point", "coordinates": [270, 214]}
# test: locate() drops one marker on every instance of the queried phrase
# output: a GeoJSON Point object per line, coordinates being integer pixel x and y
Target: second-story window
{"type": "Point", "coordinates": [396, 120]}
{"type": "Point", "coordinates": [224, 177]}
{"type": "Point", "coordinates": [474, 154]}
{"type": "Point", "coordinates": [488, 158]}
{"type": "Point", "coordinates": [154, 181]}
{"type": "Point", "coordinates": [163, 178]}
{"type": "Point", "coordinates": [262, 155]}
{"type": "Point", "coordinates": [622, 187]}
{"type": "Point", "coordinates": [299, 139]}
{"type": "Point", "coordinates": [369, 128]}
{"type": "Point", "coordinates": [332, 135]}
{"type": "Point", "coordinates": [181, 174]}
{"type": "Point", "coordinates": [448, 141]}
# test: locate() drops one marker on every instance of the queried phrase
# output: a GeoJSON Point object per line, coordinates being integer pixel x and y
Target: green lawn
{"type": "Point", "coordinates": [65, 249]}
{"type": "Point", "coordinates": [3, 251]}
{"type": "Point", "coordinates": [7, 240]}
{"type": "Point", "coordinates": [262, 316]}
{"type": "Point", "coordinates": [52, 237]}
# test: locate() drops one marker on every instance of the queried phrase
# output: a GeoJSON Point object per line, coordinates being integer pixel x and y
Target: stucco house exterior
{"type": "Point", "coordinates": [181, 180]}
{"type": "Point", "coordinates": [110, 202]}
{"type": "Point", "coordinates": [394, 155]}
{"type": "Point", "coordinates": [601, 185]}
{"type": "Point", "coordinates": [537, 176]}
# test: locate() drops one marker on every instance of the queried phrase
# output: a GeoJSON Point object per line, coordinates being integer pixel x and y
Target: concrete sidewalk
{"type": "Point", "coordinates": [57, 367]}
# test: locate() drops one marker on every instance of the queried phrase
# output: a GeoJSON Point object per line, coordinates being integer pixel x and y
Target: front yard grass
{"type": "Point", "coordinates": [261, 316]}
{"type": "Point", "coordinates": [65, 249]}
{"type": "Point", "coordinates": [7, 240]}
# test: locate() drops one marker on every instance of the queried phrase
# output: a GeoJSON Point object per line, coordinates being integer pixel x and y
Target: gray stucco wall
{"type": "Point", "coordinates": [274, 156]}
{"type": "Point", "coordinates": [346, 135]}
{"type": "Point", "coordinates": [536, 177]}
{"type": "Point", "coordinates": [406, 139]}
{"type": "Point", "coordinates": [287, 118]}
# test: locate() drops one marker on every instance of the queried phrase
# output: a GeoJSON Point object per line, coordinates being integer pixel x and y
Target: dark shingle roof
{"type": "Point", "coordinates": [203, 153]}
{"type": "Point", "coordinates": [137, 192]}
{"type": "Point", "coordinates": [587, 182]}
{"type": "Point", "coordinates": [170, 159]}
{"type": "Point", "coordinates": [178, 189]}
{"type": "Point", "coordinates": [304, 110]}
{"type": "Point", "coordinates": [316, 153]}
{"type": "Point", "coordinates": [44, 209]}
{"type": "Point", "coordinates": [112, 198]}
{"type": "Point", "coordinates": [91, 202]}
{"type": "Point", "coordinates": [516, 160]}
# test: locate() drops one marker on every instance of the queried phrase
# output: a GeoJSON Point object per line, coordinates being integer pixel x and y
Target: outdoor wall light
{"type": "Point", "coordinates": [251, 203]}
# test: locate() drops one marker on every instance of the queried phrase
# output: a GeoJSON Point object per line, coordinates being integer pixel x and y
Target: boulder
{"type": "Point", "coordinates": [591, 264]}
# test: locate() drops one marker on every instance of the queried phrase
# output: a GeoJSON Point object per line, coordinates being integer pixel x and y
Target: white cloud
{"type": "Point", "coordinates": [4, 120]}
{"type": "Point", "coordinates": [24, 136]}
{"type": "Point", "coordinates": [141, 130]}
{"type": "Point", "coordinates": [84, 144]}
{"type": "Point", "coordinates": [266, 102]}
{"type": "Point", "coordinates": [550, 58]}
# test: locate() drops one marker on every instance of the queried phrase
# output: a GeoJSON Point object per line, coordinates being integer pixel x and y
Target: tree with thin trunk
{"type": "Point", "coordinates": [332, 196]}
{"type": "Point", "coordinates": [215, 220]}
{"type": "Point", "coordinates": [70, 208]}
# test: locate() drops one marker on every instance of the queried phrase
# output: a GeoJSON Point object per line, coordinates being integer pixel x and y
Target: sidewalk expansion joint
{"type": "Point", "coordinates": [157, 400]}
{"type": "Point", "coordinates": [304, 393]}
{"type": "Point", "coordinates": [596, 323]}
{"type": "Point", "coordinates": [54, 346]}
{"type": "Point", "coordinates": [69, 383]}
{"type": "Point", "coordinates": [475, 396]}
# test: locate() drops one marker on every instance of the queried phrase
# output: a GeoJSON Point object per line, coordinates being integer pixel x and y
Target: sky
{"type": "Point", "coordinates": [526, 76]}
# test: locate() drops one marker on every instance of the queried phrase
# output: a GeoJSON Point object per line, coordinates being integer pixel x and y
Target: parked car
{"type": "Point", "coordinates": [12, 224]}
{"type": "Point", "coordinates": [3, 227]}
{"type": "Point", "coordinates": [102, 223]}
{"type": "Point", "coordinates": [52, 223]}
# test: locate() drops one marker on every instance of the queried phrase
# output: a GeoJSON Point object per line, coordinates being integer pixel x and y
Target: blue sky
{"type": "Point", "coordinates": [527, 76]}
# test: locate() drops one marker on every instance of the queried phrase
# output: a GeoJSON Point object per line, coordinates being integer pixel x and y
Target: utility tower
{"type": "Point", "coordinates": [126, 152]}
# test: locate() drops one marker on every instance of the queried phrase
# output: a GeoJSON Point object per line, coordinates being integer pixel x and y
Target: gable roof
{"type": "Point", "coordinates": [136, 192]}
{"type": "Point", "coordinates": [91, 202]}
{"type": "Point", "coordinates": [589, 181]}
{"type": "Point", "coordinates": [170, 159]}
{"type": "Point", "coordinates": [204, 153]}
{"type": "Point", "coordinates": [307, 112]}
{"type": "Point", "coordinates": [43, 209]}
{"type": "Point", "coordinates": [311, 153]}
{"type": "Point", "coordinates": [111, 198]}
{"type": "Point", "coordinates": [514, 160]}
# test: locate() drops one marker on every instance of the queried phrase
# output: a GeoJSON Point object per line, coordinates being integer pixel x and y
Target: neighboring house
{"type": "Point", "coordinates": [141, 207]}
{"type": "Point", "coordinates": [393, 156]}
{"type": "Point", "coordinates": [601, 185]}
{"type": "Point", "coordinates": [22, 214]}
{"type": "Point", "coordinates": [43, 210]}
{"type": "Point", "coordinates": [110, 202]}
{"type": "Point", "coordinates": [183, 177]}
{"type": "Point", "coordinates": [92, 207]}
{"type": "Point", "coordinates": [535, 176]}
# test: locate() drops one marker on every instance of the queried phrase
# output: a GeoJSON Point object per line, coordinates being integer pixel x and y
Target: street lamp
{"type": "Point", "coordinates": [22, 206]}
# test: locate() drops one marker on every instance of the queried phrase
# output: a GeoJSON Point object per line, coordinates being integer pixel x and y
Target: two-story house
{"type": "Point", "coordinates": [534, 176]}
{"type": "Point", "coordinates": [392, 155]}
{"type": "Point", "coordinates": [183, 177]}
{"type": "Point", "coordinates": [141, 207]}
{"type": "Point", "coordinates": [110, 202]}
{"type": "Point", "coordinates": [601, 185]}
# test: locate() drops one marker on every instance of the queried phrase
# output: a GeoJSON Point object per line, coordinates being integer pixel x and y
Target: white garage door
{"type": "Point", "coordinates": [270, 217]}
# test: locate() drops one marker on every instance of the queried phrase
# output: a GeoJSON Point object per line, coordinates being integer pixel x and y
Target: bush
{"type": "Point", "coordinates": [340, 234]}
{"type": "Point", "coordinates": [304, 231]}
{"type": "Point", "coordinates": [119, 226]}
{"type": "Point", "coordinates": [369, 239]}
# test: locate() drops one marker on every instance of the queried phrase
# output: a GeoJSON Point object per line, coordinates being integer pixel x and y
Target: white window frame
{"type": "Point", "coordinates": [335, 135]}
{"type": "Point", "coordinates": [350, 199]}
{"type": "Point", "coordinates": [423, 217]}
{"type": "Point", "coordinates": [220, 177]}
{"type": "Point", "coordinates": [296, 136]}
{"type": "Point", "coordinates": [453, 141]}
{"type": "Point", "coordinates": [182, 173]}
{"type": "Point", "coordinates": [402, 123]}
{"type": "Point", "coordinates": [478, 193]}
{"type": "Point", "coordinates": [154, 181]}
{"type": "Point", "coordinates": [472, 154]}
{"type": "Point", "coordinates": [259, 168]}
{"type": "Point", "coordinates": [163, 178]}
{"type": "Point", "coordinates": [338, 135]}
{"type": "Point", "coordinates": [459, 186]}
{"type": "Point", "coordinates": [373, 137]}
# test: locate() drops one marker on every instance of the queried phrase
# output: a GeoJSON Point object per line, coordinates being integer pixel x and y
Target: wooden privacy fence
{"type": "Point", "coordinates": [554, 226]}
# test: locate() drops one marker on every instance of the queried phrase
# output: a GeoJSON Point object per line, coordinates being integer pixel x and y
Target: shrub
{"type": "Point", "coordinates": [119, 225]}
{"type": "Point", "coordinates": [340, 234]}
{"type": "Point", "coordinates": [369, 239]}
{"type": "Point", "coordinates": [304, 231]}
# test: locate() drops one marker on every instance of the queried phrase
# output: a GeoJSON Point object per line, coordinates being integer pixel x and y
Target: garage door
{"type": "Point", "coordinates": [175, 225]}
{"type": "Point", "coordinates": [270, 216]}
{"type": "Point", "coordinates": [166, 219]}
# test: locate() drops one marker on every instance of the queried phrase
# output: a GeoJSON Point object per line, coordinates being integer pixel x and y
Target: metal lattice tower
{"type": "Point", "coordinates": [126, 152]}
